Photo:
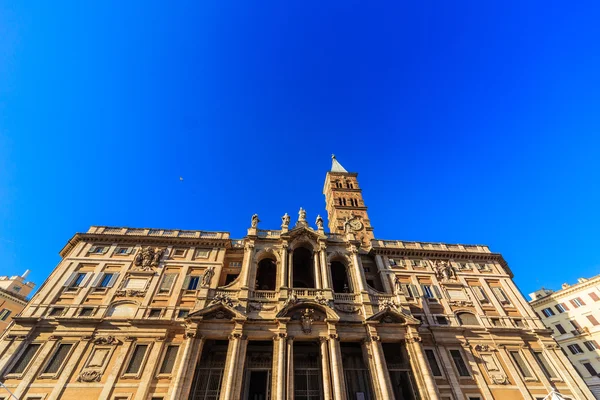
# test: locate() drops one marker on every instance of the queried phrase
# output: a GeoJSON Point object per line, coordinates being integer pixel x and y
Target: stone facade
{"type": "Point", "coordinates": [293, 313]}
{"type": "Point", "coordinates": [13, 297]}
{"type": "Point", "coordinates": [572, 315]}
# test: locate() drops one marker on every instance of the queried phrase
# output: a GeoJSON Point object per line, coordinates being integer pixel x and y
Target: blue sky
{"type": "Point", "coordinates": [468, 122]}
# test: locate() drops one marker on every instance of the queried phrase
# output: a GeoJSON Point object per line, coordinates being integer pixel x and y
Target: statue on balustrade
{"type": "Point", "coordinates": [285, 221]}
{"type": "Point", "coordinates": [319, 222]}
{"type": "Point", "coordinates": [255, 220]}
{"type": "Point", "coordinates": [208, 275]}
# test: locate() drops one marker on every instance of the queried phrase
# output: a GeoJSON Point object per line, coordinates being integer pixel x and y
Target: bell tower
{"type": "Point", "coordinates": [346, 210]}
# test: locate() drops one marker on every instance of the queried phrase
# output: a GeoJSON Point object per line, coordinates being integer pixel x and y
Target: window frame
{"type": "Point", "coordinates": [538, 355]}
{"type": "Point", "coordinates": [167, 292]}
{"type": "Point", "coordinates": [437, 360]}
{"type": "Point", "coordinates": [530, 370]}
{"type": "Point", "coordinates": [140, 371]}
{"type": "Point", "coordinates": [465, 363]}
{"type": "Point", "coordinates": [583, 364]}
{"type": "Point", "coordinates": [18, 375]}
{"type": "Point", "coordinates": [548, 312]}
{"type": "Point", "coordinates": [159, 373]}
{"type": "Point", "coordinates": [562, 328]}
{"type": "Point", "coordinates": [4, 314]}
{"type": "Point", "coordinates": [46, 364]}
{"type": "Point", "coordinates": [575, 346]}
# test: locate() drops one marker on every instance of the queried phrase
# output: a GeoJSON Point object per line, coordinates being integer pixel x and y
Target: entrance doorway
{"type": "Point", "coordinates": [259, 385]}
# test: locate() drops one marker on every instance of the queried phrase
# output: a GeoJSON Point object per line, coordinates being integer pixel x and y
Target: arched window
{"type": "Point", "coordinates": [339, 277]}
{"type": "Point", "coordinates": [465, 318]}
{"type": "Point", "coordinates": [266, 274]}
{"type": "Point", "coordinates": [126, 310]}
{"type": "Point", "coordinates": [303, 268]}
{"type": "Point", "coordinates": [349, 185]}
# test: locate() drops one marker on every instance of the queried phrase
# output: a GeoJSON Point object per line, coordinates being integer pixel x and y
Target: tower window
{"type": "Point", "coordinates": [349, 185]}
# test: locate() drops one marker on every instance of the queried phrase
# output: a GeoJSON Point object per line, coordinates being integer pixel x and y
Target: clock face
{"type": "Point", "coordinates": [355, 224]}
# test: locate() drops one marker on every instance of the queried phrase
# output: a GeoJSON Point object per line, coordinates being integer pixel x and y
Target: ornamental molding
{"type": "Point", "coordinates": [499, 379]}
{"type": "Point", "coordinates": [106, 340]}
{"type": "Point", "coordinates": [89, 376]}
{"type": "Point", "coordinates": [460, 303]}
{"type": "Point", "coordinates": [347, 308]}
{"type": "Point", "coordinates": [484, 348]}
{"type": "Point", "coordinates": [130, 293]}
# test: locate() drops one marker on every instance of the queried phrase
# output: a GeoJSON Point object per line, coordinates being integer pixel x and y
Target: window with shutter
{"type": "Point", "coordinates": [58, 358]}
{"type": "Point", "coordinates": [521, 364]}
{"type": "Point", "coordinates": [25, 359]}
{"type": "Point", "coordinates": [590, 369]}
{"type": "Point", "coordinates": [106, 278]}
{"type": "Point", "coordinates": [560, 329]}
{"type": "Point", "coordinates": [437, 292]}
{"type": "Point", "coordinates": [594, 296]}
{"type": "Point", "coordinates": [4, 314]}
{"type": "Point", "coordinates": [135, 363]}
{"type": "Point", "coordinates": [169, 360]}
{"type": "Point", "coordinates": [500, 295]}
{"type": "Point", "coordinates": [427, 292]}
{"type": "Point", "coordinates": [167, 283]}
{"type": "Point", "coordinates": [575, 349]}
{"type": "Point", "coordinates": [466, 318]}
{"type": "Point", "coordinates": [560, 308]}
{"type": "Point", "coordinates": [591, 345]}
{"type": "Point", "coordinates": [592, 319]}
{"type": "Point", "coordinates": [480, 294]}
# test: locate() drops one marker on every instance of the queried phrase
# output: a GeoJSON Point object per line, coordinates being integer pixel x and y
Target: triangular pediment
{"type": "Point", "coordinates": [217, 311]}
{"type": "Point", "coordinates": [300, 231]}
{"type": "Point", "coordinates": [393, 316]}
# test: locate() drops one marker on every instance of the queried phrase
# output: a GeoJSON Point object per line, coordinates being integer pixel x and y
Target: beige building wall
{"type": "Point", "coordinates": [13, 297]}
{"type": "Point", "coordinates": [573, 314]}
{"type": "Point", "coordinates": [295, 312]}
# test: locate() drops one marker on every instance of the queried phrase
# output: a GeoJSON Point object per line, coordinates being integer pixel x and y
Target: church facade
{"type": "Point", "coordinates": [294, 313]}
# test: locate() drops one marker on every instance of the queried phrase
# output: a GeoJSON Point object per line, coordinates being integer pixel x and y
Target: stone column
{"type": "Point", "coordinates": [248, 255]}
{"type": "Point", "coordinates": [317, 269]}
{"type": "Point", "coordinates": [114, 373]}
{"type": "Point", "coordinates": [66, 373]}
{"type": "Point", "coordinates": [279, 367]}
{"type": "Point", "coordinates": [283, 274]}
{"type": "Point", "coordinates": [383, 274]}
{"type": "Point", "coordinates": [381, 375]}
{"type": "Point", "coordinates": [149, 370]}
{"type": "Point", "coordinates": [232, 364]}
{"type": "Point", "coordinates": [290, 367]}
{"type": "Point", "coordinates": [187, 366]}
{"type": "Point", "coordinates": [290, 269]}
{"type": "Point", "coordinates": [325, 368]}
{"type": "Point", "coordinates": [421, 369]}
{"type": "Point", "coordinates": [34, 367]}
{"type": "Point", "coordinates": [325, 270]}
{"type": "Point", "coordinates": [358, 272]}
{"type": "Point", "coordinates": [337, 371]}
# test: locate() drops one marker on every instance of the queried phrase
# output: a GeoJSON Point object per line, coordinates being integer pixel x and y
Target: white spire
{"type": "Point", "coordinates": [336, 166]}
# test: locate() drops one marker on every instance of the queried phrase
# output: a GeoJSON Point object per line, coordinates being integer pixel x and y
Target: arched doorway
{"type": "Point", "coordinates": [303, 268]}
{"type": "Point", "coordinates": [266, 274]}
{"type": "Point", "coordinates": [339, 278]}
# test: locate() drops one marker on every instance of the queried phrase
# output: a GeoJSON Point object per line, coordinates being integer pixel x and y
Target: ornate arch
{"type": "Point", "coordinates": [304, 241]}
{"type": "Point", "coordinates": [291, 308]}
{"type": "Point", "coordinates": [339, 256]}
{"type": "Point", "coordinates": [266, 253]}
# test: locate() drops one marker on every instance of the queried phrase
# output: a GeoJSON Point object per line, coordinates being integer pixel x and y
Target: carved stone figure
{"type": "Point", "coordinates": [499, 379]}
{"type": "Point", "coordinates": [319, 298]}
{"type": "Point", "coordinates": [307, 319]}
{"type": "Point", "coordinates": [223, 299]}
{"type": "Point", "coordinates": [106, 340]}
{"type": "Point", "coordinates": [255, 220]}
{"type": "Point", "coordinates": [444, 271]}
{"type": "Point", "coordinates": [387, 304]}
{"type": "Point", "coordinates": [319, 222]}
{"type": "Point", "coordinates": [397, 285]}
{"type": "Point", "coordinates": [302, 215]}
{"type": "Point", "coordinates": [146, 258]}
{"type": "Point", "coordinates": [291, 300]}
{"type": "Point", "coordinates": [285, 220]}
{"type": "Point", "coordinates": [208, 275]}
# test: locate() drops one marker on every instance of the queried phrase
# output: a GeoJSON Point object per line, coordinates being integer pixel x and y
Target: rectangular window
{"type": "Point", "coordinates": [183, 313]}
{"type": "Point", "coordinates": [56, 312]}
{"type": "Point", "coordinates": [427, 292]}
{"type": "Point", "coordinates": [178, 252]}
{"type": "Point", "coordinates": [136, 359]}
{"type": "Point", "coordinates": [58, 358]}
{"type": "Point", "coordinates": [441, 320]}
{"type": "Point", "coordinates": [78, 281]}
{"type": "Point", "coordinates": [544, 364]}
{"type": "Point", "coordinates": [592, 319]}
{"type": "Point", "coordinates": [575, 349]}
{"type": "Point", "coordinates": [590, 369]}
{"type": "Point", "coordinates": [560, 329]}
{"type": "Point", "coordinates": [167, 283]}
{"type": "Point", "coordinates": [548, 312]}
{"type": "Point", "coordinates": [4, 314]}
{"type": "Point", "coordinates": [169, 361]}
{"type": "Point", "coordinates": [521, 364]}
{"type": "Point", "coordinates": [591, 345]}
{"type": "Point", "coordinates": [86, 312]}
{"type": "Point", "coordinates": [500, 295]}
{"type": "Point", "coordinates": [154, 313]}
{"type": "Point", "coordinates": [594, 296]}
{"type": "Point", "coordinates": [461, 367]}
{"type": "Point", "coordinates": [235, 264]}
{"type": "Point", "coordinates": [560, 308]}
{"type": "Point", "coordinates": [519, 323]}
{"type": "Point", "coordinates": [480, 294]}
{"type": "Point", "coordinates": [25, 359]}
{"type": "Point", "coordinates": [106, 278]}
{"type": "Point", "coordinates": [575, 325]}
{"type": "Point", "coordinates": [433, 364]}
{"type": "Point", "coordinates": [122, 251]}
{"type": "Point", "coordinates": [202, 253]}
{"type": "Point", "coordinates": [577, 302]}
{"type": "Point", "coordinates": [191, 282]}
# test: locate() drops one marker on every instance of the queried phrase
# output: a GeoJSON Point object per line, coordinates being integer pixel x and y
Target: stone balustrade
{"type": "Point", "coordinates": [108, 230]}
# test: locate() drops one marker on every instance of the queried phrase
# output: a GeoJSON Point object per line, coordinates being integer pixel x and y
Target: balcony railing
{"type": "Point", "coordinates": [263, 294]}
{"type": "Point", "coordinates": [345, 297]}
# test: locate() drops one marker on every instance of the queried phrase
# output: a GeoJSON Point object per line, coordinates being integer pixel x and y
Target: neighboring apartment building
{"type": "Point", "coordinates": [290, 313]}
{"type": "Point", "coordinates": [573, 314]}
{"type": "Point", "coordinates": [13, 297]}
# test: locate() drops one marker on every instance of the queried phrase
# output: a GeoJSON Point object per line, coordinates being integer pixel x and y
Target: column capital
{"type": "Point", "coordinates": [334, 336]}
{"type": "Point", "coordinates": [323, 339]}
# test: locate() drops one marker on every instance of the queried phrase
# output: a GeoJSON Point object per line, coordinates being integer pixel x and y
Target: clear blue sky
{"type": "Point", "coordinates": [468, 122]}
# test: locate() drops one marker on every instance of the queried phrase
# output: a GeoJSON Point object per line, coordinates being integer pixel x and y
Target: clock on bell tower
{"type": "Point", "coordinates": [346, 210]}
